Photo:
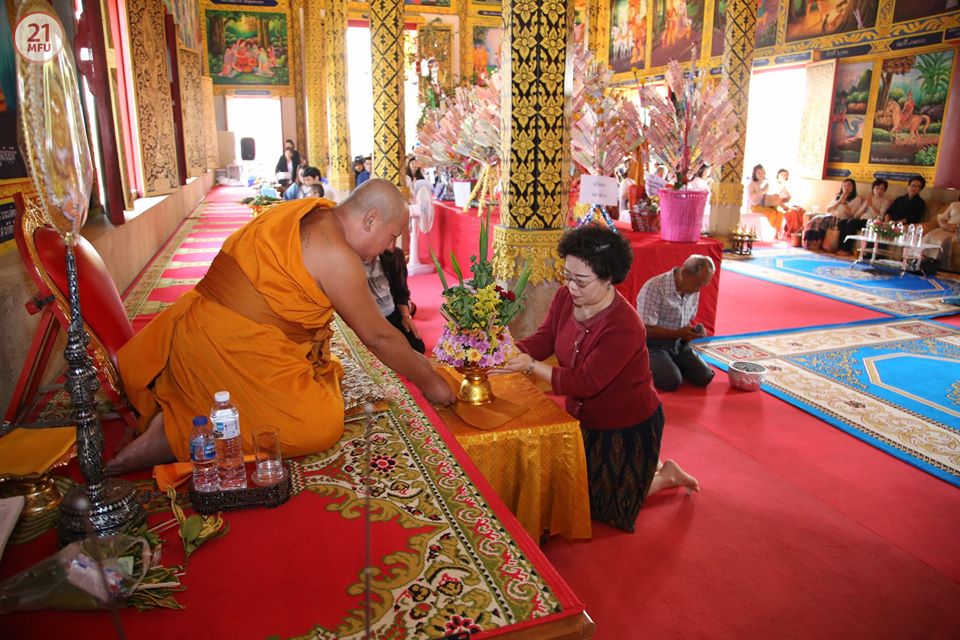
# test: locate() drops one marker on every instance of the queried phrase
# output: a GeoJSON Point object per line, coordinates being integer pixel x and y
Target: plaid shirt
{"type": "Point", "coordinates": [660, 304]}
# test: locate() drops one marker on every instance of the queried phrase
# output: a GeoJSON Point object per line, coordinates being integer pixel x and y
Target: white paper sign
{"type": "Point", "coordinates": [599, 190]}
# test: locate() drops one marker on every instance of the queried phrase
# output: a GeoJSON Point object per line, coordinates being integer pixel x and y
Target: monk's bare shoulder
{"type": "Point", "coordinates": [323, 244]}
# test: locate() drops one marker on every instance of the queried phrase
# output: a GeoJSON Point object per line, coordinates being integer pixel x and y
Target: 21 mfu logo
{"type": "Point", "coordinates": [38, 37]}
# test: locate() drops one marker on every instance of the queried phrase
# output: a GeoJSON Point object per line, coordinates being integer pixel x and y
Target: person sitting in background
{"type": "Point", "coordinates": [387, 279]}
{"type": "Point", "coordinates": [309, 184]}
{"type": "Point", "coordinates": [763, 202]}
{"type": "Point", "coordinates": [357, 167]}
{"type": "Point", "coordinates": [948, 229]}
{"type": "Point", "coordinates": [364, 175]}
{"type": "Point", "coordinates": [909, 207]}
{"type": "Point", "coordinates": [412, 171]}
{"type": "Point", "coordinates": [287, 166]}
{"type": "Point", "coordinates": [842, 207]}
{"type": "Point", "coordinates": [792, 214]}
{"type": "Point", "coordinates": [872, 207]}
{"type": "Point", "coordinates": [667, 304]}
{"type": "Point", "coordinates": [604, 371]}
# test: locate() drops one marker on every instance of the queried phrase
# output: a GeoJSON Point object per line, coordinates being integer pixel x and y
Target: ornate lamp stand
{"type": "Point", "coordinates": [112, 503]}
{"type": "Point", "coordinates": [54, 141]}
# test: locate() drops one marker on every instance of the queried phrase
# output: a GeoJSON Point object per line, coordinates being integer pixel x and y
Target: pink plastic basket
{"type": "Point", "coordinates": [681, 214]}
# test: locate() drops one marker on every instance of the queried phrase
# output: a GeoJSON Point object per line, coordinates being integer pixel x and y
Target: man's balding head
{"type": "Point", "coordinates": [373, 217]}
{"type": "Point", "coordinates": [376, 193]}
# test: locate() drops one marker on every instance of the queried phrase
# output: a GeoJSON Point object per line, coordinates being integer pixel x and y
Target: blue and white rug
{"type": "Point", "coordinates": [893, 383]}
{"type": "Point", "coordinates": [882, 290]}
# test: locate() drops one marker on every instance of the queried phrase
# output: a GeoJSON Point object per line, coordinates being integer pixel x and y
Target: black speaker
{"type": "Point", "coordinates": [248, 149]}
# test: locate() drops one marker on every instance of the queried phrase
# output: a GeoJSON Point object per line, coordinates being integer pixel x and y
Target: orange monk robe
{"type": "Point", "coordinates": [198, 347]}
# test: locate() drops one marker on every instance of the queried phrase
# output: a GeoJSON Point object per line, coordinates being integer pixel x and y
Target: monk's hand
{"type": "Point", "coordinates": [516, 364]}
{"type": "Point", "coordinates": [438, 391]}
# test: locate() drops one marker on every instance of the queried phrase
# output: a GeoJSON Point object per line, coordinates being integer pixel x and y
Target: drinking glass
{"type": "Point", "coordinates": [266, 450]}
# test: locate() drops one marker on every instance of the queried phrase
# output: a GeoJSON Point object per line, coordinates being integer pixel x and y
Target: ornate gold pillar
{"type": "Point", "coordinates": [461, 71]}
{"type": "Point", "coordinates": [338, 132]}
{"type": "Point", "coordinates": [386, 47]}
{"type": "Point", "coordinates": [296, 70]}
{"type": "Point", "coordinates": [598, 24]}
{"type": "Point", "coordinates": [315, 91]}
{"type": "Point", "coordinates": [535, 143]}
{"type": "Point", "coordinates": [738, 47]}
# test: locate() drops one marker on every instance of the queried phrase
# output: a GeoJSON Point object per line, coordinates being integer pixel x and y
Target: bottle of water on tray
{"type": "Point", "coordinates": [226, 428]}
{"type": "Point", "coordinates": [203, 454]}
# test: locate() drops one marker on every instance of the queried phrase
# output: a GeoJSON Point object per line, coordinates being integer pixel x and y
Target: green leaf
{"type": "Point", "coordinates": [456, 268]}
{"type": "Point", "coordinates": [436, 264]}
{"type": "Point", "coordinates": [190, 530]}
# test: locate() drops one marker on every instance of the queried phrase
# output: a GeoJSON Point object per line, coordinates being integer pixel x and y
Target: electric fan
{"type": "Point", "coordinates": [421, 221]}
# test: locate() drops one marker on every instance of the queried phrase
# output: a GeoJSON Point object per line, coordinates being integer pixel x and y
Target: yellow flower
{"type": "Point", "coordinates": [474, 355]}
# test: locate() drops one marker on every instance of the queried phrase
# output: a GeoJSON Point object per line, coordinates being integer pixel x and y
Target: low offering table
{"type": "Point", "coordinates": [535, 461]}
{"type": "Point", "coordinates": [909, 256]}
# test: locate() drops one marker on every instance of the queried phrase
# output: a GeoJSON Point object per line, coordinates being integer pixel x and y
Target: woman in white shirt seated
{"type": "Point", "coordinates": [871, 207]}
{"type": "Point", "coordinates": [762, 201]}
{"type": "Point", "coordinates": [843, 207]}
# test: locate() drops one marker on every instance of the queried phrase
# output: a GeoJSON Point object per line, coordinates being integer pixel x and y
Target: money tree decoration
{"type": "Point", "coordinates": [694, 125]}
{"type": "Point", "coordinates": [465, 131]}
{"type": "Point", "coordinates": [53, 138]}
{"type": "Point", "coordinates": [606, 127]}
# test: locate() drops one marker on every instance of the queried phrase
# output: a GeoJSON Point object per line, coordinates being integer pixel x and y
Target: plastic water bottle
{"type": "Point", "coordinates": [909, 238]}
{"type": "Point", "coordinates": [226, 428]}
{"type": "Point", "coordinates": [203, 453]}
{"type": "Point", "coordinates": [871, 229]}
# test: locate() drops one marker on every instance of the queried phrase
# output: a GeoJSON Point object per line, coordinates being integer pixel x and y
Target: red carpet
{"type": "Point", "coordinates": [801, 531]}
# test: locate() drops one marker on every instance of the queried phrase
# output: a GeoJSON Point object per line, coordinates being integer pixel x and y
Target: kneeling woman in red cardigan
{"type": "Point", "coordinates": [604, 370]}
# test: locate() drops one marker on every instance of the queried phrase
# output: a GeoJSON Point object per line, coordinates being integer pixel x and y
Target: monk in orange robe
{"type": "Point", "coordinates": [259, 326]}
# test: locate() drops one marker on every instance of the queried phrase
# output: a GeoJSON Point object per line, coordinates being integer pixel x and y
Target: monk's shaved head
{"type": "Point", "coordinates": [378, 194]}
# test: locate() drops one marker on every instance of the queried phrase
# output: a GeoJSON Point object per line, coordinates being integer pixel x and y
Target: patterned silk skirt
{"type": "Point", "coordinates": [620, 467]}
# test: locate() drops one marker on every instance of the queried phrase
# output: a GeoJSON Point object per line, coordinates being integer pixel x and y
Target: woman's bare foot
{"type": "Point", "coordinates": [669, 476]}
{"type": "Point", "coordinates": [148, 449]}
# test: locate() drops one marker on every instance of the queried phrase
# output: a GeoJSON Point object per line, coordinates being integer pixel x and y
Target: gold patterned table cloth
{"type": "Point", "coordinates": [535, 462]}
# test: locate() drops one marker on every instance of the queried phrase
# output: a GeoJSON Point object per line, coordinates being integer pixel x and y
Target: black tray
{"type": "Point", "coordinates": [253, 497]}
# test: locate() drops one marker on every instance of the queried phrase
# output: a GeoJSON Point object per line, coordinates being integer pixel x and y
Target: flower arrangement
{"type": "Point", "coordinates": [887, 230]}
{"type": "Point", "coordinates": [694, 125]}
{"type": "Point", "coordinates": [260, 203]}
{"type": "Point", "coordinates": [477, 313]}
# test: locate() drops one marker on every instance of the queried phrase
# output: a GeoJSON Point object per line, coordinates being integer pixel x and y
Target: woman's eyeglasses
{"type": "Point", "coordinates": [580, 281]}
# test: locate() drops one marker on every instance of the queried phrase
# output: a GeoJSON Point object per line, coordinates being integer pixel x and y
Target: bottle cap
{"type": "Point", "coordinates": [199, 421]}
{"type": "Point", "coordinates": [222, 396]}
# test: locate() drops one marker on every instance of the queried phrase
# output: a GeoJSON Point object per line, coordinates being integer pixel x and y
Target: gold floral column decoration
{"type": "Point", "coordinates": [338, 132]}
{"type": "Point", "coordinates": [315, 91]}
{"type": "Point", "coordinates": [738, 41]}
{"type": "Point", "coordinates": [535, 147]}
{"type": "Point", "coordinates": [296, 75]}
{"type": "Point", "coordinates": [386, 47]}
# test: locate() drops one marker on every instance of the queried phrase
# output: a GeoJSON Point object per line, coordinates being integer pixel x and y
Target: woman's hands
{"type": "Point", "coordinates": [521, 363]}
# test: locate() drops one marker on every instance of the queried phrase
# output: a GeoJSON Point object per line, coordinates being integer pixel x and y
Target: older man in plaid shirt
{"type": "Point", "coordinates": [667, 304]}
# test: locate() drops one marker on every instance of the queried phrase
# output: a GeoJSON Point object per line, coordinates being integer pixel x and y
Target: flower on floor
{"type": "Point", "coordinates": [477, 313]}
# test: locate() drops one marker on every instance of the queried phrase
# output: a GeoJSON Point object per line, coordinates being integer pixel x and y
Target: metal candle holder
{"type": "Point", "coordinates": [54, 141]}
{"type": "Point", "coordinates": [110, 504]}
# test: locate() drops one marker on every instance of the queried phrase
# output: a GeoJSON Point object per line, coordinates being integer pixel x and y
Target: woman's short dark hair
{"type": "Point", "coordinates": [920, 179]}
{"type": "Point", "coordinates": [753, 174]}
{"type": "Point", "coordinates": [606, 252]}
{"type": "Point", "coordinates": [878, 183]}
{"type": "Point", "coordinates": [853, 192]}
